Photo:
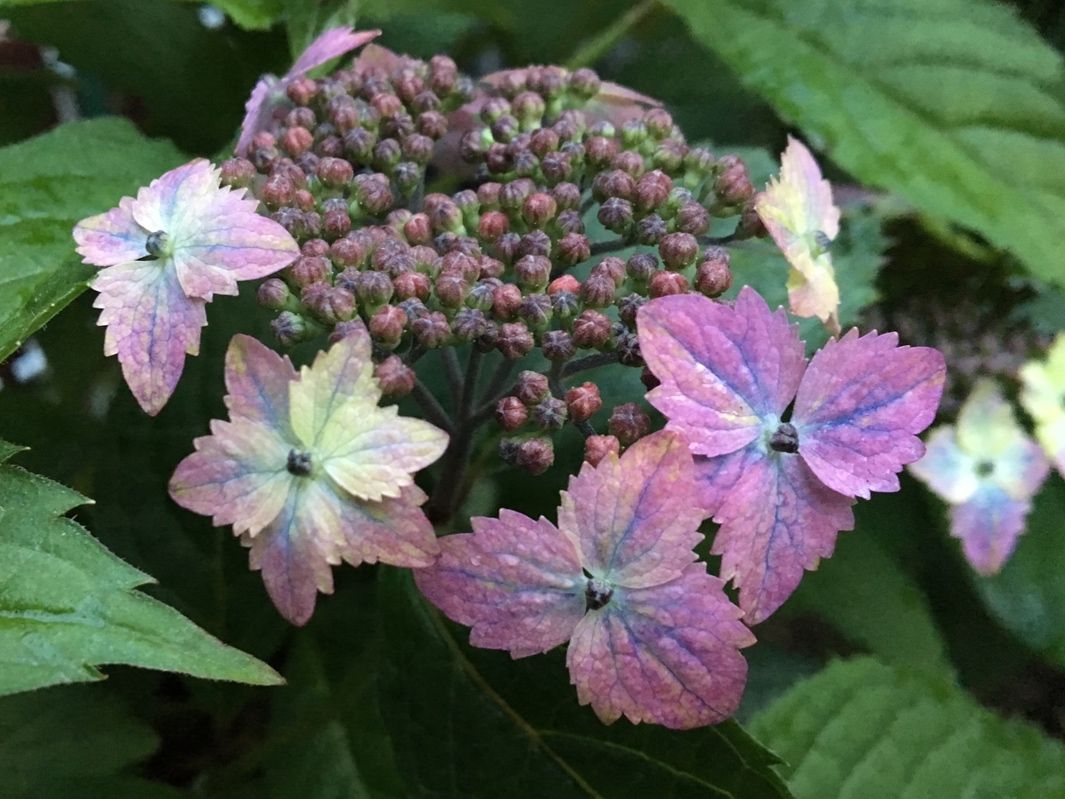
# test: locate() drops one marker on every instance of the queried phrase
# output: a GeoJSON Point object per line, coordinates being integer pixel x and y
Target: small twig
{"type": "Point", "coordinates": [469, 385]}
{"type": "Point", "coordinates": [601, 247]}
{"type": "Point", "coordinates": [588, 362]}
{"type": "Point", "coordinates": [453, 373]}
{"type": "Point", "coordinates": [731, 237]}
{"type": "Point", "coordinates": [433, 410]}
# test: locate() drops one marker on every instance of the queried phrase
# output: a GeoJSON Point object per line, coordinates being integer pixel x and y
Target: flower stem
{"type": "Point", "coordinates": [453, 374]}
{"type": "Point", "coordinates": [432, 409]}
{"type": "Point", "coordinates": [588, 362]}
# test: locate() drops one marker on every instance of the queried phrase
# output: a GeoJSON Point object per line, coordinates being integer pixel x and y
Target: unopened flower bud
{"type": "Point", "coordinates": [315, 247]}
{"type": "Point", "coordinates": [386, 154]}
{"type": "Point", "coordinates": [411, 284]}
{"type": "Point", "coordinates": [514, 340]}
{"type": "Point", "coordinates": [751, 225]}
{"type": "Point", "coordinates": [535, 242]}
{"type": "Point", "coordinates": [566, 304]}
{"type": "Point", "coordinates": [662, 284]}
{"type": "Point", "coordinates": [511, 413]}
{"type": "Point", "coordinates": [467, 324]}
{"type": "Point", "coordinates": [394, 377]}
{"type": "Point", "coordinates": [669, 155]}
{"type": "Point", "coordinates": [536, 311]}
{"type": "Point", "coordinates": [633, 133]}
{"type": "Point", "coordinates": [328, 304]}
{"type": "Point", "coordinates": [334, 172]}
{"type": "Point", "coordinates": [533, 272]}
{"type": "Point", "coordinates": [492, 225]}
{"type": "Point", "coordinates": [600, 151]}
{"type": "Point", "coordinates": [417, 148]}
{"type": "Point", "coordinates": [678, 250]}
{"type": "Point", "coordinates": [658, 122]}
{"type": "Point", "coordinates": [309, 269]}
{"type": "Point", "coordinates": [652, 190]}
{"type": "Point", "coordinates": [583, 401]}
{"type": "Point", "coordinates": [616, 215]}
{"type": "Point", "coordinates": [417, 229]}
{"type": "Point", "coordinates": [451, 289]}
{"type": "Point", "coordinates": [598, 447]}
{"type": "Point", "coordinates": [613, 183]}
{"type": "Point", "coordinates": [535, 455]}
{"type": "Point", "coordinates": [567, 198]}
{"type": "Point", "coordinates": [336, 224]}
{"type": "Point", "coordinates": [641, 266]}
{"type": "Point", "coordinates": [237, 172]}
{"type": "Point", "coordinates": [591, 330]}
{"type": "Point", "coordinates": [431, 331]}
{"type": "Point", "coordinates": [700, 161]}
{"type": "Point", "coordinates": [359, 144]}
{"type": "Point", "coordinates": [733, 185]}
{"type": "Point", "coordinates": [301, 90]}
{"type": "Point", "coordinates": [627, 308]}
{"type": "Point", "coordinates": [550, 414]}
{"type": "Point", "coordinates": [693, 218]}
{"type": "Point", "coordinates": [373, 288]}
{"type": "Point", "coordinates": [296, 141]}
{"type": "Point", "coordinates": [598, 291]}
{"type": "Point", "coordinates": [274, 294]}
{"type": "Point", "coordinates": [574, 248]}
{"type": "Point", "coordinates": [289, 328]}
{"type": "Point", "coordinates": [373, 194]}
{"type": "Point", "coordinates": [506, 300]}
{"type": "Point", "coordinates": [628, 349]}
{"type": "Point", "coordinates": [713, 277]}
{"type": "Point", "coordinates": [277, 191]}
{"type": "Point", "coordinates": [543, 141]}
{"type": "Point", "coordinates": [538, 209]}
{"type": "Point", "coordinates": [531, 387]}
{"type": "Point", "coordinates": [629, 161]}
{"type": "Point", "coordinates": [387, 325]}
{"type": "Point", "coordinates": [584, 83]}
{"type": "Point", "coordinates": [629, 422]}
{"type": "Point", "coordinates": [482, 294]}
{"type": "Point", "coordinates": [564, 283]}
{"type": "Point", "coordinates": [557, 345]}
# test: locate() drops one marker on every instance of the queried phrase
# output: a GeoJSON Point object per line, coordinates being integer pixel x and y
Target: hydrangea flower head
{"type": "Point", "coordinates": [166, 253]}
{"type": "Point", "coordinates": [988, 470]}
{"type": "Point", "coordinates": [1043, 396]}
{"type": "Point", "coordinates": [798, 212]}
{"type": "Point", "coordinates": [651, 635]}
{"type": "Point", "coordinates": [270, 90]}
{"type": "Point", "coordinates": [781, 487]}
{"type": "Point", "coordinates": [310, 471]}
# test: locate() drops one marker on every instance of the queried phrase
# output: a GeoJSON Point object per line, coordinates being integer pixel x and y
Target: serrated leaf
{"type": "Point", "coordinates": [46, 185]}
{"type": "Point", "coordinates": [470, 723]}
{"type": "Point", "coordinates": [864, 592]}
{"type": "Point", "coordinates": [73, 741]}
{"type": "Point", "coordinates": [1028, 595]}
{"type": "Point", "coordinates": [67, 605]}
{"type": "Point", "coordinates": [954, 104]}
{"type": "Point", "coordinates": [862, 730]}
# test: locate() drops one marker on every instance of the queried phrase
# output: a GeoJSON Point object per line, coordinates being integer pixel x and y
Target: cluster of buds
{"type": "Point", "coordinates": [505, 264]}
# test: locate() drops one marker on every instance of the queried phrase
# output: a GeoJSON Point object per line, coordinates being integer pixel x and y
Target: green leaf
{"type": "Point", "coordinates": [68, 605]}
{"type": "Point", "coordinates": [862, 730]}
{"type": "Point", "coordinates": [954, 104]}
{"type": "Point", "coordinates": [1028, 595]}
{"type": "Point", "coordinates": [251, 14]}
{"type": "Point", "coordinates": [73, 741]}
{"type": "Point", "coordinates": [46, 185]}
{"type": "Point", "coordinates": [865, 594]}
{"type": "Point", "coordinates": [306, 20]}
{"type": "Point", "coordinates": [473, 723]}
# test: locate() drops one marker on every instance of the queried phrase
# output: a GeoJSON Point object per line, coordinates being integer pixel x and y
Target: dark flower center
{"type": "Point", "coordinates": [984, 468]}
{"type": "Point", "coordinates": [299, 463]}
{"type": "Point", "coordinates": [156, 243]}
{"type": "Point", "coordinates": [785, 439]}
{"type": "Point", "coordinates": [597, 594]}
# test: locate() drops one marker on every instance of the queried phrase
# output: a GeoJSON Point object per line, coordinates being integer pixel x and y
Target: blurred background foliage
{"type": "Point", "coordinates": [942, 123]}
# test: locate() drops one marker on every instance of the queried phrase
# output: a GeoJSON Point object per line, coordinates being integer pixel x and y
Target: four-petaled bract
{"type": "Point", "coordinates": [1043, 396]}
{"type": "Point", "coordinates": [798, 212]}
{"type": "Point", "coordinates": [310, 471]}
{"type": "Point", "coordinates": [166, 253]}
{"type": "Point", "coordinates": [782, 489]}
{"type": "Point", "coordinates": [651, 635]}
{"type": "Point", "coordinates": [269, 92]}
{"type": "Point", "coordinates": [988, 470]}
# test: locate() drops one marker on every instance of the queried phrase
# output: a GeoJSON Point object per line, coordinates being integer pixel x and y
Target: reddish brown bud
{"type": "Point", "coordinates": [630, 162]}
{"type": "Point", "coordinates": [493, 224]}
{"type": "Point", "coordinates": [431, 330]}
{"type": "Point", "coordinates": [557, 345]}
{"type": "Point", "coordinates": [315, 247]}
{"type": "Point", "coordinates": [658, 122]}
{"type": "Point", "coordinates": [304, 200]}
{"type": "Point", "coordinates": [347, 252]}
{"type": "Point", "coordinates": [583, 401]}
{"type": "Point", "coordinates": [506, 301]}
{"type": "Point", "coordinates": [412, 284]}
{"type": "Point", "coordinates": [733, 185]}
{"type": "Point", "coordinates": [598, 447]}
{"type": "Point", "coordinates": [600, 151]}
{"type": "Point", "coordinates": [641, 266]}
{"type": "Point", "coordinates": [713, 277]}
{"type": "Point", "coordinates": [652, 190]}
{"type": "Point", "coordinates": [564, 283]}
{"type": "Point", "coordinates": [662, 284]}
{"type": "Point", "coordinates": [395, 378]}
{"type": "Point", "coordinates": [277, 191]}
{"type": "Point", "coordinates": [591, 329]}
{"type": "Point", "coordinates": [629, 422]}
{"type": "Point", "coordinates": [574, 248]}
{"type": "Point", "coordinates": [550, 414]}
{"type": "Point", "coordinates": [598, 291]}
{"type": "Point", "coordinates": [417, 229]}
{"type": "Point", "coordinates": [237, 172]}
{"type": "Point", "coordinates": [451, 289]}
{"type": "Point", "coordinates": [511, 413]}
{"type": "Point", "coordinates": [301, 90]}
{"type": "Point", "coordinates": [531, 388]}
{"type": "Point", "coordinates": [627, 308]}
{"type": "Point", "coordinates": [535, 455]}
{"type": "Point", "coordinates": [296, 141]}
{"type": "Point", "coordinates": [538, 209]}
{"type": "Point", "coordinates": [567, 197]}
{"type": "Point", "coordinates": [514, 340]}
{"type": "Point", "coordinates": [533, 272]}
{"type": "Point", "coordinates": [613, 183]}
{"type": "Point", "coordinates": [309, 269]}
{"type": "Point", "coordinates": [616, 215]}
{"type": "Point", "coordinates": [693, 218]}
{"type": "Point", "coordinates": [678, 250]}
{"type": "Point", "coordinates": [535, 243]}
{"type": "Point", "coordinates": [612, 267]}
{"type": "Point", "coordinates": [274, 294]}
{"type": "Point", "coordinates": [387, 325]}
{"type": "Point", "coordinates": [336, 223]}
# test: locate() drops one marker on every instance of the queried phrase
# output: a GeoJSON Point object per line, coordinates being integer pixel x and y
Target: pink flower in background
{"type": "Point", "coordinates": [798, 212]}
{"type": "Point", "coordinates": [782, 489]}
{"type": "Point", "coordinates": [166, 253]}
{"type": "Point", "coordinates": [270, 90]}
{"type": "Point", "coordinates": [651, 635]}
{"type": "Point", "coordinates": [988, 469]}
{"type": "Point", "coordinates": [310, 471]}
